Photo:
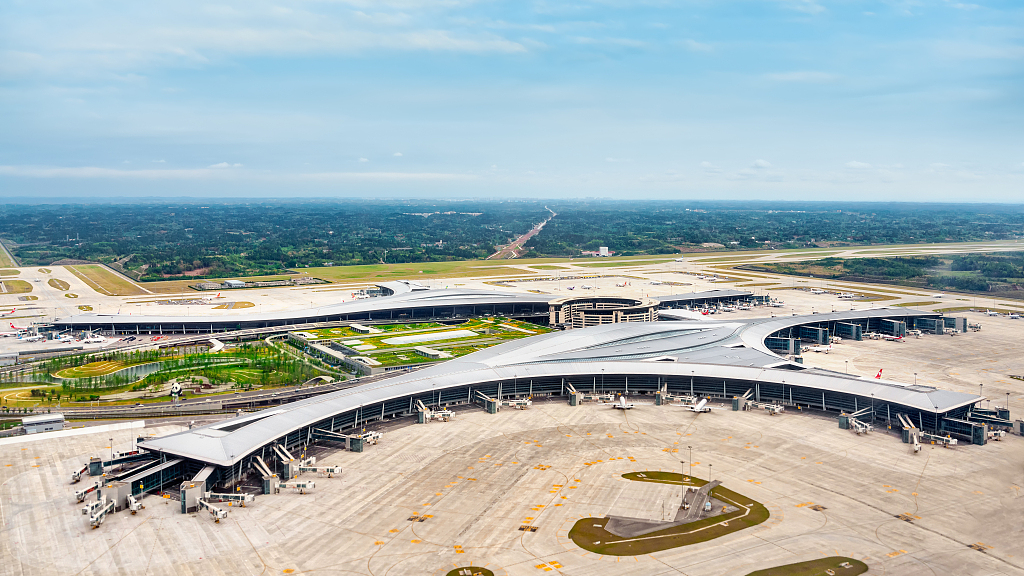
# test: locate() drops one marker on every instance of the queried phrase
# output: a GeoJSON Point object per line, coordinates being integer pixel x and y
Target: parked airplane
{"type": "Point", "coordinates": [571, 288]}
{"type": "Point", "coordinates": [623, 285]}
{"type": "Point", "coordinates": [13, 327]}
{"type": "Point", "coordinates": [621, 404]}
{"type": "Point", "coordinates": [817, 291]}
{"type": "Point", "coordinates": [698, 407]}
{"type": "Point", "coordinates": [8, 313]}
{"type": "Point", "coordinates": [892, 338]}
{"type": "Point", "coordinates": [879, 375]}
{"type": "Point", "coordinates": [587, 287]}
{"type": "Point", "coordinates": [991, 313]}
{"type": "Point", "coordinates": [1014, 316]}
{"type": "Point", "coordinates": [777, 304]}
{"type": "Point", "coordinates": [34, 338]}
{"type": "Point", "coordinates": [847, 296]}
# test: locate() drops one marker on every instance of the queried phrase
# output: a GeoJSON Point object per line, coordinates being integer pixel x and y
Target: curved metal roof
{"type": "Point", "coordinates": [728, 350]}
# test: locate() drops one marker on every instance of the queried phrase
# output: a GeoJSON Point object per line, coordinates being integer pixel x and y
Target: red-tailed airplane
{"type": "Point", "coordinates": [879, 375]}
{"type": "Point", "coordinates": [8, 313]}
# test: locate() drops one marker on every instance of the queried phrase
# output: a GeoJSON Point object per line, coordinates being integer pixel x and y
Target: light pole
{"type": "Point", "coordinates": [915, 378]}
{"type": "Point", "coordinates": [847, 366]}
{"type": "Point", "coordinates": [111, 451]}
{"type": "Point", "coordinates": [682, 487]}
{"type": "Point", "coordinates": [689, 458]}
{"type": "Point", "coordinates": [709, 473]}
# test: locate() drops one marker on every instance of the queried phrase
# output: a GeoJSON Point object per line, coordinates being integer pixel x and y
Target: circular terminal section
{"type": "Point", "coordinates": [585, 311]}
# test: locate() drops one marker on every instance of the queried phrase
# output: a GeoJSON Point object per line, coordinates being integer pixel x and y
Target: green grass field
{"type": "Point", "coordinates": [816, 568]}
{"type": "Point", "coordinates": [9, 272]}
{"type": "Point", "coordinates": [614, 264]}
{"type": "Point", "coordinates": [16, 287]}
{"type": "Point", "coordinates": [104, 280]}
{"type": "Point", "coordinates": [589, 533]}
{"type": "Point", "coordinates": [93, 369]}
{"type": "Point", "coordinates": [58, 284]}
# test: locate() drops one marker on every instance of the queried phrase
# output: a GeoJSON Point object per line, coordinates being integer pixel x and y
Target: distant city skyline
{"type": "Point", "coordinates": [899, 100]}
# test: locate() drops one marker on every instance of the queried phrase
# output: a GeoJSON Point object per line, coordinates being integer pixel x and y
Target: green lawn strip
{"type": "Point", "coordinates": [587, 532]}
{"type": "Point", "coordinates": [916, 303]}
{"type": "Point", "coordinates": [9, 272]}
{"type": "Point", "coordinates": [547, 267]}
{"type": "Point", "coordinates": [816, 568]}
{"type": "Point", "coordinates": [58, 284]}
{"type": "Point", "coordinates": [16, 286]}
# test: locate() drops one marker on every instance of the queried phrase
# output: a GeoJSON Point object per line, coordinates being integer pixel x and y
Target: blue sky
{"type": "Point", "coordinates": [788, 99]}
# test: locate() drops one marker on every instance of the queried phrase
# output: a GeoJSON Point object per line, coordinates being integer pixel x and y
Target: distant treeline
{"type": "Point", "coordinates": [156, 241]}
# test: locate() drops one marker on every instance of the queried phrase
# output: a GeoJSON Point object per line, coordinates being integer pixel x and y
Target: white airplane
{"type": "Point", "coordinates": [879, 375]}
{"type": "Point", "coordinates": [571, 288]}
{"type": "Point", "coordinates": [587, 287]}
{"type": "Point", "coordinates": [680, 259]}
{"type": "Point", "coordinates": [892, 338]}
{"type": "Point", "coordinates": [34, 338]}
{"type": "Point", "coordinates": [936, 295]}
{"type": "Point", "coordinates": [778, 304]}
{"type": "Point", "coordinates": [94, 340]}
{"type": "Point", "coordinates": [817, 291]}
{"type": "Point", "coordinates": [698, 407]}
{"type": "Point", "coordinates": [1014, 316]}
{"type": "Point", "coordinates": [991, 313]}
{"type": "Point", "coordinates": [621, 404]}
{"type": "Point", "coordinates": [623, 285]}
{"type": "Point", "coordinates": [8, 313]}
{"type": "Point", "coordinates": [824, 349]}
{"type": "Point", "coordinates": [65, 339]}
{"type": "Point", "coordinates": [13, 327]}
{"type": "Point", "coordinates": [728, 309]}
{"type": "Point", "coordinates": [846, 296]}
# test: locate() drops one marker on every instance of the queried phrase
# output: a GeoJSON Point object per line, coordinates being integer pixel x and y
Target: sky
{"type": "Point", "coordinates": [910, 100]}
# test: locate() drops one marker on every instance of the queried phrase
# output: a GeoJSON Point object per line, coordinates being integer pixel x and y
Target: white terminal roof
{"type": "Point", "coordinates": [728, 350]}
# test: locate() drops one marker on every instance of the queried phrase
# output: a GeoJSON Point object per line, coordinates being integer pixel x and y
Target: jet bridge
{"type": "Point", "coordinates": [490, 404]}
{"type": "Point", "coordinates": [424, 414]}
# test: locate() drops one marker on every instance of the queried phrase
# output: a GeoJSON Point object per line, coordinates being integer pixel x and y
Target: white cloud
{"type": "Point", "coordinates": [694, 46]}
{"type": "Point", "coordinates": [159, 161]}
{"type": "Point", "coordinates": [364, 160]}
{"type": "Point", "coordinates": [761, 164]}
{"type": "Point", "coordinates": [858, 165]}
{"type": "Point", "coordinates": [710, 168]}
{"type": "Point", "coordinates": [805, 6]}
{"type": "Point", "coordinates": [802, 76]}
{"type": "Point", "coordinates": [224, 165]}
{"type": "Point", "coordinates": [398, 154]}
{"type": "Point", "coordinates": [331, 176]}
{"type": "Point", "coordinates": [616, 160]}
{"type": "Point", "coordinates": [627, 42]}
{"type": "Point", "coordinates": [90, 172]}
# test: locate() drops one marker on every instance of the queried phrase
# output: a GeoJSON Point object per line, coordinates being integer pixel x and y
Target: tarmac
{"type": "Point", "coordinates": [478, 479]}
